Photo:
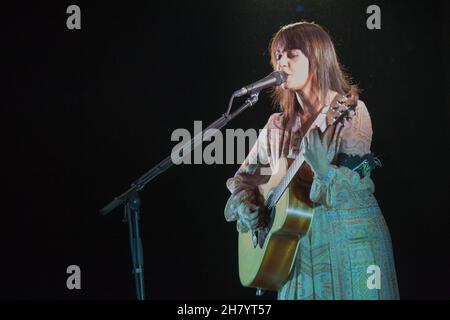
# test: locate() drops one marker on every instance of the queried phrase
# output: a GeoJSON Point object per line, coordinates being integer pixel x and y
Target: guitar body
{"type": "Point", "coordinates": [268, 267]}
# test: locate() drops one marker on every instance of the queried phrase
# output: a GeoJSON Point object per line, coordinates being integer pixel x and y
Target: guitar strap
{"type": "Point", "coordinates": [363, 165]}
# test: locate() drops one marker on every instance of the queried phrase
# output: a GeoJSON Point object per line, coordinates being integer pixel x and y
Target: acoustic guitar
{"type": "Point", "coordinates": [266, 255]}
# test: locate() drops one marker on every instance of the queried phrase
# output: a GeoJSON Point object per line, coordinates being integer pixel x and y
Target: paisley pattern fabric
{"type": "Point", "coordinates": [347, 253]}
{"type": "Point", "coordinates": [347, 240]}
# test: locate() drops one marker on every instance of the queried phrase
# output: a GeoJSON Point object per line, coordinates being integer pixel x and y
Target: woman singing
{"type": "Point", "coordinates": [348, 239]}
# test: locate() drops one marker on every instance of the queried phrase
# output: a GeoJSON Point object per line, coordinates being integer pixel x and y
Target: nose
{"type": "Point", "coordinates": [283, 62]}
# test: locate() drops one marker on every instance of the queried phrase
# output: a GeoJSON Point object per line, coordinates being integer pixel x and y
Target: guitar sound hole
{"type": "Point", "coordinates": [270, 217]}
{"type": "Point", "coordinates": [262, 234]}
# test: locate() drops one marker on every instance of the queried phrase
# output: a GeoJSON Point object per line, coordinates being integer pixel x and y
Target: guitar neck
{"type": "Point", "coordinates": [286, 180]}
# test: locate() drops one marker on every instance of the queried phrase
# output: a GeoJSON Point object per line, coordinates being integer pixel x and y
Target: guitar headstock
{"type": "Point", "coordinates": [343, 108]}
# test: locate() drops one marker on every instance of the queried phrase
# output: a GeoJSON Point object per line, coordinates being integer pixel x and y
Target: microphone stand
{"type": "Point", "coordinates": [131, 201]}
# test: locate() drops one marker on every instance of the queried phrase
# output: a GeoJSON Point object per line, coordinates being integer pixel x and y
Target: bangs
{"type": "Point", "coordinates": [286, 39]}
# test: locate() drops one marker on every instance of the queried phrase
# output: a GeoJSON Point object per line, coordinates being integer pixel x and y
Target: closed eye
{"type": "Point", "coordinates": [292, 54]}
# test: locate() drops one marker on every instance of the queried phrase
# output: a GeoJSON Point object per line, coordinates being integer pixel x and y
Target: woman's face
{"type": "Point", "coordinates": [296, 66]}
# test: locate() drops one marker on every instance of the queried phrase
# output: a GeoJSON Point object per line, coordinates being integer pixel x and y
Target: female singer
{"type": "Point", "coordinates": [347, 253]}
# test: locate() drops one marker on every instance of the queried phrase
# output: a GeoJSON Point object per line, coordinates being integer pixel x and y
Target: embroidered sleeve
{"type": "Point", "coordinates": [342, 187]}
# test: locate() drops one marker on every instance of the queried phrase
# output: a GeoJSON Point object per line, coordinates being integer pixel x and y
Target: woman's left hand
{"type": "Point", "coordinates": [318, 154]}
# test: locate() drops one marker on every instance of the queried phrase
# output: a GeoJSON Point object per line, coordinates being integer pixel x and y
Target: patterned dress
{"type": "Point", "coordinates": [347, 253]}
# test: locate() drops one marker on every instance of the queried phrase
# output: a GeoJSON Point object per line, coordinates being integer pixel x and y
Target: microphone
{"type": "Point", "coordinates": [276, 78]}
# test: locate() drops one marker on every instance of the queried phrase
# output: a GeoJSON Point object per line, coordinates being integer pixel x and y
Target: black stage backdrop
{"type": "Point", "coordinates": [85, 112]}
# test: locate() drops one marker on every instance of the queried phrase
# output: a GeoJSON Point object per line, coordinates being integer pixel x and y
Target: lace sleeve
{"type": "Point", "coordinates": [342, 187]}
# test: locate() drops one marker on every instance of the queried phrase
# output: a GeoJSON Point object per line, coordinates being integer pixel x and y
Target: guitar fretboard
{"type": "Point", "coordinates": [278, 191]}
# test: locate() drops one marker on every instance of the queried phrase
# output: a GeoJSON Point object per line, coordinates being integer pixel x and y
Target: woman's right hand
{"type": "Point", "coordinates": [247, 207]}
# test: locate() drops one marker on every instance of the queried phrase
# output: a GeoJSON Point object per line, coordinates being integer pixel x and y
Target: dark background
{"type": "Point", "coordinates": [85, 112]}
